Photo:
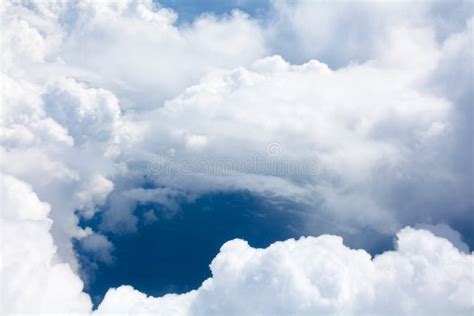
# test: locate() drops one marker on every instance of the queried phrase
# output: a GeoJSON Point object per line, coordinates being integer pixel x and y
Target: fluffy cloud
{"type": "Point", "coordinates": [88, 114]}
{"type": "Point", "coordinates": [61, 138]}
{"type": "Point", "coordinates": [33, 279]}
{"type": "Point", "coordinates": [343, 33]}
{"type": "Point", "coordinates": [424, 275]}
{"type": "Point", "coordinates": [444, 231]}
{"type": "Point", "coordinates": [368, 139]}
{"type": "Point", "coordinates": [133, 48]}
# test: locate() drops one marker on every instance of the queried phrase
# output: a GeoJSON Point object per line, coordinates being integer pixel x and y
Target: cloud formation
{"type": "Point", "coordinates": [384, 133]}
{"type": "Point", "coordinates": [34, 280]}
{"type": "Point", "coordinates": [371, 134]}
{"type": "Point", "coordinates": [424, 275]}
{"type": "Point", "coordinates": [356, 32]}
{"type": "Point", "coordinates": [98, 96]}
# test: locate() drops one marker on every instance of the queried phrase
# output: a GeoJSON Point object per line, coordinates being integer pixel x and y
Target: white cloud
{"type": "Point", "coordinates": [61, 147]}
{"type": "Point", "coordinates": [196, 142]}
{"type": "Point", "coordinates": [135, 49]}
{"type": "Point", "coordinates": [365, 136]}
{"type": "Point", "coordinates": [424, 275]}
{"type": "Point", "coordinates": [23, 120]}
{"type": "Point", "coordinates": [444, 231]}
{"type": "Point", "coordinates": [33, 279]}
{"type": "Point", "coordinates": [94, 193]}
{"type": "Point", "coordinates": [343, 33]}
{"type": "Point", "coordinates": [89, 115]}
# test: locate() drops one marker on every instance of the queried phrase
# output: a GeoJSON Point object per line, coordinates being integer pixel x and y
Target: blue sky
{"type": "Point", "coordinates": [189, 9]}
{"type": "Point", "coordinates": [237, 157]}
{"type": "Point", "coordinates": [182, 244]}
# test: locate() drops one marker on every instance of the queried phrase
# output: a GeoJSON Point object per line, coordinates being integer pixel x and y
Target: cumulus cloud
{"type": "Point", "coordinates": [424, 275]}
{"type": "Point", "coordinates": [75, 72]}
{"type": "Point", "coordinates": [95, 192]}
{"type": "Point", "coordinates": [369, 140]}
{"type": "Point", "coordinates": [101, 100]}
{"type": "Point", "coordinates": [33, 279]}
{"type": "Point", "coordinates": [98, 42]}
{"type": "Point", "coordinates": [444, 231]}
{"type": "Point", "coordinates": [62, 146]}
{"type": "Point", "coordinates": [88, 114]}
{"type": "Point", "coordinates": [376, 129]}
{"type": "Point", "coordinates": [310, 275]}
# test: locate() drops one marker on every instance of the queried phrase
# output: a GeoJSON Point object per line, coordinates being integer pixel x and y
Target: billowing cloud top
{"type": "Point", "coordinates": [321, 276]}
{"type": "Point", "coordinates": [361, 113]}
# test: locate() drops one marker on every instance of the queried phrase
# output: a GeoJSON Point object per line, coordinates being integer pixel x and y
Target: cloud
{"type": "Point", "coordinates": [312, 274]}
{"type": "Point", "coordinates": [425, 274]}
{"type": "Point", "coordinates": [370, 140]}
{"type": "Point", "coordinates": [375, 124]}
{"type": "Point", "coordinates": [444, 231]}
{"type": "Point", "coordinates": [60, 138]}
{"type": "Point", "coordinates": [98, 96]}
{"type": "Point", "coordinates": [76, 74]}
{"type": "Point", "coordinates": [90, 115]}
{"type": "Point", "coordinates": [33, 279]}
{"type": "Point", "coordinates": [98, 247]}
{"type": "Point", "coordinates": [101, 40]}
{"type": "Point", "coordinates": [343, 33]}
{"type": "Point", "coordinates": [95, 192]}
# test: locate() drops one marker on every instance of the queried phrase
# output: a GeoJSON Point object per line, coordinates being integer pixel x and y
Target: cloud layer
{"type": "Point", "coordinates": [425, 274]}
{"type": "Point", "coordinates": [109, 104]}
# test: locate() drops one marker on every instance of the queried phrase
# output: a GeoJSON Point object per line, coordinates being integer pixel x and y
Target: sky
{"type": "Point", "coordinates": [237, 157]}
{"type": "Point", "coordinates": [181, 246]}
{"type": "Point", "coordinates": [188, 10]}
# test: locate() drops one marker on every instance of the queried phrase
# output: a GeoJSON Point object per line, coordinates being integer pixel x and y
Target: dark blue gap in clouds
{"type": "Point", "coordinates": [172, 254]}
{"type": "Point", "coordinates": [188, 10]}
{"type": "Point", "coordinates": [465, 226]}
